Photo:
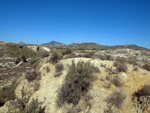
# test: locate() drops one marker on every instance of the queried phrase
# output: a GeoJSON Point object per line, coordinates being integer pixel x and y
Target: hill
{"type": "Point", "coordinates": [52, 43]}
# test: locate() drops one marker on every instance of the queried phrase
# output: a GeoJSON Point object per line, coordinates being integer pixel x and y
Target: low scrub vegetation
{"type": "Point", "coordinates": [76, 84]}
{"type": "Point", "coordinates": [116, 99]}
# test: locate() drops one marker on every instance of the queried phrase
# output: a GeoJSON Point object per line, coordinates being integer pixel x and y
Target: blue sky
{"type": "Point", "coordinates": [106, 22]}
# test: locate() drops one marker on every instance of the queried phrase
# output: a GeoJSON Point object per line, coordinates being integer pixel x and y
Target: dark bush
{"type": "Point", "coordinates": [76, 84]}
{"type": "Point", "coordinates": [146, 66]}
{"type": "Point", "coordinates": [144, 91]}
{"type": "Point", "coordinates": [58, 74]}
{"type": "Point", "coordinates": [23, 58]}
{"type": "Point", "coordinates": [121, 67]}
{"type": "Point", "coordinates": [55, 56]}
{"type": "Point", "coordinates": [116, 81]}
{"type": "Point", "coordinates": [59, 67]}
{"type": "Point", "coordinates": [32, 75]}
{"type": "Point", "coordinates": [67, 51]}
{"type": "Point", "coordinates": [116, 99]}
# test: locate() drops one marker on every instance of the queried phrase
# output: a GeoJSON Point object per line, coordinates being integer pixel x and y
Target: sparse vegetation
{"type": "Point", "coordinates": [77, 83]}
{"type": "Point", "coordinates": [116, 99]}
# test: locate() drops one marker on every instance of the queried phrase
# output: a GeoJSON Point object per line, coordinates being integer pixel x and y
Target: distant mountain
{"type": "Point", "coordinates": [22, 43]}
{"type": "Point", "coordinates": [52, 43]}
{"type": "Point", "coordinates": [95, 46]}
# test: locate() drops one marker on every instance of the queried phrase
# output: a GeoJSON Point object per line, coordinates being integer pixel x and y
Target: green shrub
{"type": "Point", "coordinates": [76, 84]}
{"type": "Point", "coordinates": [116, 99]}
{"type": "Point", "coordinates": [23, 58]}
{"type": "Point", "coordinates": [59, 67]}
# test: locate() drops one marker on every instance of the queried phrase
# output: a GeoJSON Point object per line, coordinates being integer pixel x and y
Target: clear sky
{"type": "Point", "coordinates": [106, 22]}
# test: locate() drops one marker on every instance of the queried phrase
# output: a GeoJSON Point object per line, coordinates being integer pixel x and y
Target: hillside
{"type": "Point", "coordinates": [93, 85]}
{"type": "Point", "coordinates": [90, 46]}
{"type": "Point", "coordinates": [15, 50]}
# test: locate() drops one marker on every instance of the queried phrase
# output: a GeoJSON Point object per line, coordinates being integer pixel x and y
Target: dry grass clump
{"type": "Point", "coordinates": [146, 66]}
{"type": "Point", "coordinates": [117, 81]}
{"type": "Point", "coordinates": [59, 67]}
{"type": "Point", "coordinates": [76, 84]}
{"type": "Point", "coordinates": [116, 99]}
